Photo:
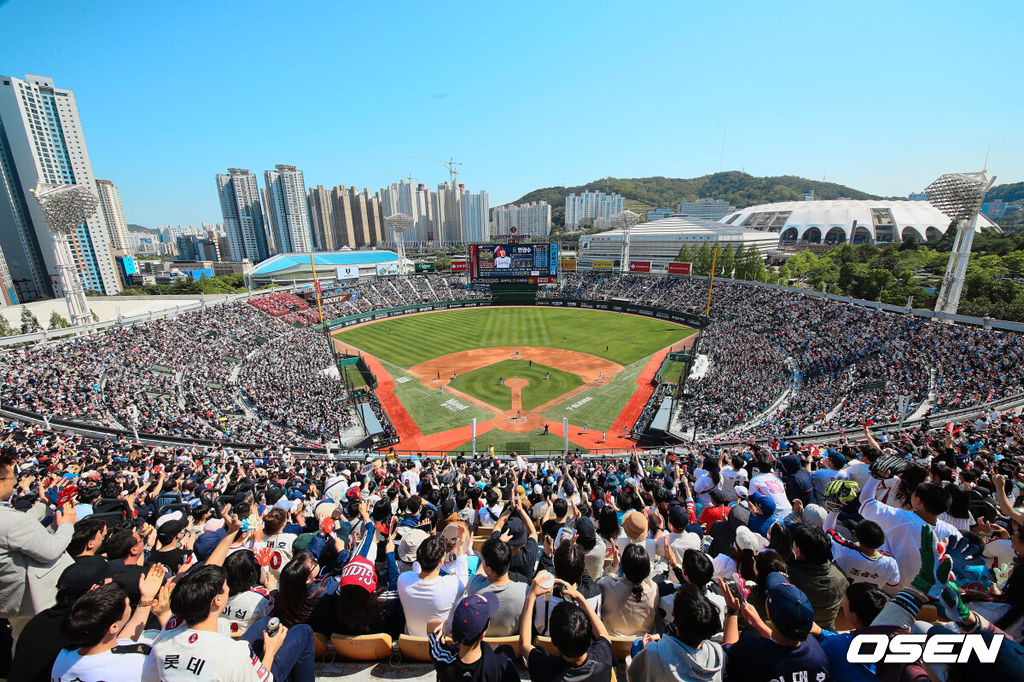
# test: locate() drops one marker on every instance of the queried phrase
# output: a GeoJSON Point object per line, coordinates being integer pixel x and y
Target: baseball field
{"type": "Point", "coordinates": [516, 370]}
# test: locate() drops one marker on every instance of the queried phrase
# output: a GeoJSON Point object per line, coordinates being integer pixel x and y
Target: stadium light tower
{"type": "Point", "coordinates": [399, 224]}
{"type": "Point", "coordinates": [959, 196]}
{"type": "Point", "coordinates": [66, 207]}
{"type": "Point", "coordinates": [625, 220]}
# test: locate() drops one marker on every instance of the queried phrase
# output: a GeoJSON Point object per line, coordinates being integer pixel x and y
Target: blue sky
{"type": "Point", "coordinates": [880, 96]}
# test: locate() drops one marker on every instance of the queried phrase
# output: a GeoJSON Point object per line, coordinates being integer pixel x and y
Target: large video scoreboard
{"type": "Point", "coordinates": [513, 263]}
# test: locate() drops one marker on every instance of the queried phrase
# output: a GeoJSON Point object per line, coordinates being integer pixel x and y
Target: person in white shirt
{"type": "Point", "coordinates": [772, 486]}
{"type": "Point", "coordinates": [902, 528]}
{"type": "Point", "coordinates": [94, 627]}
{"type": "Point", "coordinates": [863, 561]}
{"type": "Point", "coordinates": [248, 600]}
{"type": "Point", "coordinates": [279, 544]}
{"type": "Point", "coordinates": [425, 593]}
{"type": "Point", "coordinates": [491, 512]}
{"type": "Point", "coordinates": [190, 647]}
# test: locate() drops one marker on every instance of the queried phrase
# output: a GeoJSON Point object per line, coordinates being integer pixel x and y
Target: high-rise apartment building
{"type": "Point", "coordinates": [41, 140]}
{"type": "Point", "coordinates": [592, 208]}
{"type": "Point", "coordinates": [243, 216]}
{"type": "Point", "coordinates": [475, 214]}
{"type": "Point", "coordinates": [268, 221]}
{"type": "Point", "coordinates": [532, 220]}
{"type": "Point", "coordinates": [321, 217]}
{"type": "Point", "coordinates": [113, 214]}
{"type": "Point", "coordinates": [708, 209]}
{"type": "Point", "coordinates": [288, 209]}
{"type": "Point", "coordinates": [449, 214]}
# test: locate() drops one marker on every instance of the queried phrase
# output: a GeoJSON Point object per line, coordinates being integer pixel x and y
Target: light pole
{"type": "Point", "coordinates": [66, 207]}
{"type": "Point", "coordinates": [399, 224]}
{"type": "Point", "coordinates": [625, 221]}
{"type": "Point", "coordinates": [959, 196]}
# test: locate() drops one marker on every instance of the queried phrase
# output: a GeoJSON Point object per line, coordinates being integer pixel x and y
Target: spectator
{"type": "Point", "coordinates": [814, 574]}
{"type": "Point", "coordinates": [497, 556]}
{"type": "Point", "coordinates": [687, 653]}
{"type": "Point", "coordinates": [31, 558]}
{"type": "Point", "coordinates": [97, 653]}
{"type": "Point", "coordinates": [470, 657]}
{"type": "Point", "coordinates": [629, 604]}
{"type": "Point", "coordinates": [426, 594]}
{"type": "Point", "coordinates": [576, 631]}
{"type": "Point", "coordinates": [861, 605]}
{"type": "Point", "coordinates": [863, 561]}
{"type": "Point", "coordinates": [248, 600]}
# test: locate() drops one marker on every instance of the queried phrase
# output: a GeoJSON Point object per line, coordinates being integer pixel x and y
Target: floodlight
{"type": "Point", "coordinates": [625, 221]}
{"type": "Point", "coordinates": [399, 224]}
{"type": "Point", "coordinates": [959, 196]}
{"type": "Point", "coordinates": [66, 207]}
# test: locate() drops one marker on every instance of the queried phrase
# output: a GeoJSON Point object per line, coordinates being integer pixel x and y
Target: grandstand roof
{"type": "Point", "coordinates": [848, 220]}
{"type": "Point", "coordinates": [295, 262]}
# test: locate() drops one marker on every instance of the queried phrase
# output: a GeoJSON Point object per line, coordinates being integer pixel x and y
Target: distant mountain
{"type": "Point", "coordinates": [132, 227]}
{"type": "Point", "coordinates": [739, 189]}
{"type": "Point", "coordinates": [1013, 191]}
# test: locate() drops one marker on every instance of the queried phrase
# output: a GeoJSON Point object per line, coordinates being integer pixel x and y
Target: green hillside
{"type": "Point", "coordinates": [1013, 191]}
{"type": "Point", "coordinates": [739, 189]}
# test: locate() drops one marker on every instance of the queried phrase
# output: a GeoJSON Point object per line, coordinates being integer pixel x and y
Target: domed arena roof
{"type": "Point", "coordinates": [859, 221]}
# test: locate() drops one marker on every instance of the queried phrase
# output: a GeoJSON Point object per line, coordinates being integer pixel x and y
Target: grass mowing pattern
{"type": "Point", "coordinates": [433, 411]}
{"type": "Point", "coordinates": [408, 341]}
{"type": "Point", "coordinates": [483, 383]}
{"type": "Point", "coordinates": [599, 406]}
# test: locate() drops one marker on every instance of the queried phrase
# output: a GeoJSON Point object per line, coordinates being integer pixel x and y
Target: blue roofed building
{"type": "Point", "coordinates": [286, 268]}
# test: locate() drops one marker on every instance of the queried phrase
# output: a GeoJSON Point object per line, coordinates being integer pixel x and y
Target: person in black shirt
{"type": "Point", "coordinates": [125, 551]}
{"type": "Point", "coordinates": [471, 659]}
{"type": "Point", "coordinates": [576, 631]}
{"type": "Point", "coordinates": [515, 527]}
{"type": "Point", "coordinates": [171, 536]}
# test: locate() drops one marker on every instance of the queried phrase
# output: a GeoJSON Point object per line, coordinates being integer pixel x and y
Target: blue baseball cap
{"type": "Point", "coordinates": [788, 607]}
{"type": "Point", "coordinates": [207, 542]}
{"type": "Point", "coordinates": [472, 614]}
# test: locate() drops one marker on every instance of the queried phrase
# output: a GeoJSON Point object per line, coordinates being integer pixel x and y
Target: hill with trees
{"type": "Point", "coordinates": [1013, 191]}
{"type": "Point", "coordinates": [739, 189]}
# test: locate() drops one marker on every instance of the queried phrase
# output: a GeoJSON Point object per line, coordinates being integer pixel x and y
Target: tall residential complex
{"type": "Point", "coordinates": [288, 210]}
{"type": "Point", "coordinates": [41, 140]}
{"type": "Point", "coordinates": [113, 213]}
{"type": "Point", "coordinates": [243, 217]}
{"type": "Point", "coordinates": [533, 219]}
{"type": "Point", "coordinates": [413, 200]}
{"type": "Point", "coordinates": [708, 209]}
{"type": "Point", "coordinates": [592, 208]}
{"type": "Point", "coordinates": [321, 218]}
{"type": "Point", "coordinates": [476, 226]}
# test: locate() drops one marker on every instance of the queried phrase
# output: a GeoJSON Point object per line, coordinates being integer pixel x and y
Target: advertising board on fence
{"type": "Point", "coordinates": [679, 268]}
{"type": "Point", "coordinates": [602, 265]}
{"type": "Point", "coordinates": [348, 272]}
{"type": "Point", "coordinates": [460, 266]}
{"type": "Point", "coordinates": [388, 269]}
{"type": "Point", "coordinates": [568, 264]}
{"type": "Point", "coordinates": [639, 266]}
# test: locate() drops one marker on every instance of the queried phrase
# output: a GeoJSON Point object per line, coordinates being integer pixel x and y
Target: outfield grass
{"type": "Point", "coordinates": [484, 385]}
{"type": "Point", "coordinates": [433, 411]}
{"type": "Point", "coordinates": [410, 340]}
{"type": "Point", "coordinates": [599, 406]}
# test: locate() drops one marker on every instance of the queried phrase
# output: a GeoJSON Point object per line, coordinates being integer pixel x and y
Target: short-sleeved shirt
{"type": "Point", "coordinates": [244, 609]}
{"type": "Point", "coordinates": [123, 663]}
{"type": "Point", "coordinates": [185, 655]}
{"type": "Point", "coordinates": [755, 658]}
{"type": "Point", "coordinates": [598, 665]}
{"type": "Point", "coordinates": [510, 596]}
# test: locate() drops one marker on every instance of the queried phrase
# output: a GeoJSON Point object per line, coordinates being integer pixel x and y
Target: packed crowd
{"type": "Point", "coordinates": [842, 364]}
{"type": "Point", "coordinates": [243, 372]}
{"type": "Point", "coordinates": [747, 563]}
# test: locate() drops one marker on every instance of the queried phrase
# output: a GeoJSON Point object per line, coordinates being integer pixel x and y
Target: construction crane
{"type": "Point", "coordinates": [452, 166]}
{"type": "Point", "coordinates": [408, 177]}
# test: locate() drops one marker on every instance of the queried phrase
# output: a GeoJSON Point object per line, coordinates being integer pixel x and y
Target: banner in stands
{"type": "Point", "coordinates": [348, 272]}
{"type": "Point", "coordinates": [568, 264]}
{"type": "Point", "coordinates": [679, 268]}
{"type": "Point", "coordinates": [602, 265]}
{"type": "Point", "coordinates": [639, 266]}
{"type": "Point", "coordinates": [424, 267]}
{"type": "Point", "coordinates": [389, 269]}
{"type": "Point", "coordinates": [460, 266]}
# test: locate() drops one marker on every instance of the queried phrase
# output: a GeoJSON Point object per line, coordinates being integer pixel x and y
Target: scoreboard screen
{"type": "Point", "coordinates": [513, 263]}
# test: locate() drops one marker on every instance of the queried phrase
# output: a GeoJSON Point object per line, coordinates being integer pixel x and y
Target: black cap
{"type": "Point", "coordinates": [81, 576]}
{"type": "Point", "coordinates": [585, 528]}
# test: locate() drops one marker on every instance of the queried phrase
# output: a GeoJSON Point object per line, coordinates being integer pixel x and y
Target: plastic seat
{"type": "Point", "coordinates": [320, 649]}
{"type": "Point", "coordinates": [622, 647]}
{"type": "Point", "coordinates": [510, 640]}
{"type": "Point", "coordinates": [375, 647]}
{"type": "Point", "coordinates": [414, 648]}
{"type": "Point", "coordinates": [547, 645]}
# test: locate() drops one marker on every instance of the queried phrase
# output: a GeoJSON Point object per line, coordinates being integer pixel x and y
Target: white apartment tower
{"type": "Point", "coordinates": [475, 212]}
{"type": "Point", "coordinates": [243, 216]}
{"type": "Point", "coordinates": [41, 140]}
{"type": "Point", "coordinates": [288, 209]}
{"type": "Point", "coordinates": [532, 220]}
{"type": "Point", "coordinates": [592, 208]}
{"type": "Point", "coordinates": [113, 213]}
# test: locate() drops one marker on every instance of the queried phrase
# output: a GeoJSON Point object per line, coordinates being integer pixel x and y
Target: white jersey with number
{"type": "Point", "coordinates": [881, 570]}
{"type": "Point", "coordinates": [772, 486]}
{"type": "Point", "coordinates": [281, 551]}
{"type": "Point", "coordinates": [243, 609]}
{"type": "Point", "coordinates": [184, 654]}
